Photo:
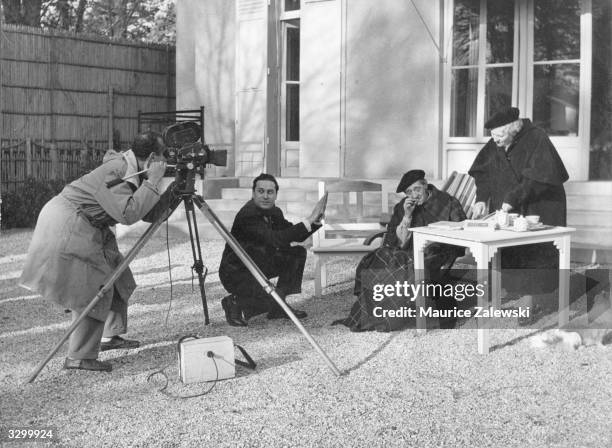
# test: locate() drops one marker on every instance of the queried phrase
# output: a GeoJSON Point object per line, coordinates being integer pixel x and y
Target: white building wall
{"type": "Point", "coordinates": [392, 88]}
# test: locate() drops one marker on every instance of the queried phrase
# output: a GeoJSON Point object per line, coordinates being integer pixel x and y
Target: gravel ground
{"type": "Point", "coordinates": [397, 389]}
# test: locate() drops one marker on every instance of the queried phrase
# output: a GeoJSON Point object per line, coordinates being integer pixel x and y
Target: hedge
{"type": "Point", "coordinates": [21, 208]}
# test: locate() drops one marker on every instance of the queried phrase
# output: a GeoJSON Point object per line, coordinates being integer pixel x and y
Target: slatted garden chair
{"type": "Point", "coordinates": [353, 212]}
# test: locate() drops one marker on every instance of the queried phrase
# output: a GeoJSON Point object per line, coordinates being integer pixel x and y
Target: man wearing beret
{"type": "Point", "coordinates": [519, 170]}
{"type": "Point", "coordinates": [424, 204]}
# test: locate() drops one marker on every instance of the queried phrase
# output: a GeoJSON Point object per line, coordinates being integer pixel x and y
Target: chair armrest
{"type": "Point", "coordinates": [371, 238]}
{"type": "Point", "coordinates": [384, 219]}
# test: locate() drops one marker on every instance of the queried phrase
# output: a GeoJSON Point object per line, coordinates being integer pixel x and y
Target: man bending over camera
{"type": "Point", "coordinates": [73, 249]}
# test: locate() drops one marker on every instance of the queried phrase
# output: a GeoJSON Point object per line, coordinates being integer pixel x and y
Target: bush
{"type": "Point", "coordinates": [21, 208]}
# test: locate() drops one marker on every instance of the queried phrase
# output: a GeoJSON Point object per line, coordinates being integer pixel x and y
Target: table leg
{"type": "Point", "coordinates": [320, 276]}
{"type": "Point", "coordinates": [496, 280]}
{"type": "Point", "coordinates": [419, 243]}
{"type": "Point", "coordinates": [481, 254]}
{"type": "Point", "coordinates": [563, 245]}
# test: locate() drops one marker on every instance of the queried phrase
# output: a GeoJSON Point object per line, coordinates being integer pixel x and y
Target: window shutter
{"type": "Point", "coordinates": [251, 76]}
{"type": "Point", "coordinates": [320, 67]}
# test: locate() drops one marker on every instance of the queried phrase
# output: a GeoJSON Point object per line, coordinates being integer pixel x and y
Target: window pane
{"type": "Point", "coordinates": [556, 30]}
{"type": "Point", "coordinates": [292, 5]}
{"type": "Point", "coordinates": [465, 32]}
{"type": "Point", "coordinates": [555, 98]}
{"type": "Point", "coordinates": [293, 54]}
{"type": "Point", "coordinates": [500, 31]}
{"type": "Point", "coordinates": [600, 155]}
{"type": "Point", "coordinates": [498, 91]}
{"type": "Point", "coordinates": [292, 118]}
{"type": "Point", "coordinates": [463, 102]}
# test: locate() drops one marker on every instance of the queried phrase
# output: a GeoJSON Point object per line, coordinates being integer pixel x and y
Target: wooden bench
{"type": "Point", "coordinates": [353, 227]}
{"type": "Point", "coordinates": [353, 212]}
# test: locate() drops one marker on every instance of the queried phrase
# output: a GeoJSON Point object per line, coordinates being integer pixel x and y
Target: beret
{"type": "Point", "coordinates": [502, 117]}
{"type": "Point", "coordinates": [409, 178]}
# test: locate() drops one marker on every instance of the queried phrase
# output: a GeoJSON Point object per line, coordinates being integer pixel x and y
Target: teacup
{"type": "Point", "coordinates": [533, 219]}
{"type": "Point", "coordinates": [511, 218]}
{"type": "Point", "coordinates": [502, 218]}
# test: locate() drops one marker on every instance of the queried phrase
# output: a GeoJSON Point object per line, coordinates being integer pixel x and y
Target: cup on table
{"type": "Point", "coordinates": [502, 218]}
{"type": "Point", "coordinates": [511, 218]}
{"type": "Point", "coordinates": [533, 219]}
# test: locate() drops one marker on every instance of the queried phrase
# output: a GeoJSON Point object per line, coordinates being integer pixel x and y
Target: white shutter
{"type": "Point", "coordinates": [320, 64]}
{"type": "Point", "coordinates": [251, 75]}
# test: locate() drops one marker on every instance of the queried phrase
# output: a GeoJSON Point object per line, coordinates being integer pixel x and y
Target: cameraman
{"type": "Point", "coordinates": [73, 249]}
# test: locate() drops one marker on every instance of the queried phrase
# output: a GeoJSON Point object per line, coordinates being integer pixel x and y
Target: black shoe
{"type": "Point", "coordinates": [117, 342]}
{"type": "Point", "coordinates": [279, 313]}
{"type": "Point", "coordinates": [88, 364]}
{"type": "Point", "coordinates": [233, 313]}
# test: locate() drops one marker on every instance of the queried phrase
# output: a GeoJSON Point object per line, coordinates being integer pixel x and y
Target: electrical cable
{"type": "Point", "coordinates": [163, 390]}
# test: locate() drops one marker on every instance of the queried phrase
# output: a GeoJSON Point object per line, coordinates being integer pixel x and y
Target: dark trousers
{"type": "Point", "coordinates": [287, 265]}
{"type": "Point", "coordinates": [84, 342]}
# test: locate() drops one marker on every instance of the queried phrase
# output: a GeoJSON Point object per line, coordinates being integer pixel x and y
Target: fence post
{"type": "Point", "coordinates": [55, 166]}
{"type": "Point", "coordinates": [111, 106]}
{"type": "Point", "coordinates": [28, 151]}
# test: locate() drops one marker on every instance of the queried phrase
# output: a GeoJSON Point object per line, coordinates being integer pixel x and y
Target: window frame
{"type": "Point", "coordinates": [523, 75]}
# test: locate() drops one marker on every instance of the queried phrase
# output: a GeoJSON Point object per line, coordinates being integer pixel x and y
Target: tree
{"type": "Point", "coordinates": [147, 20]}
{"type": "Point", "coordinates": [22, 12]}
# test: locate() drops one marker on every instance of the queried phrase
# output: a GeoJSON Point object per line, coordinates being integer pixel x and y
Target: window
{"type": "Point", "coordinates": [481, 64]}
{"type": "Point", "coordinates": [291, 77]}
{"type": "Point", "coordinates": [600, 155]}
{"type": "Point", "coordinates": [556, 66]}
{"type": "Point", "coordinates": [536, 55]}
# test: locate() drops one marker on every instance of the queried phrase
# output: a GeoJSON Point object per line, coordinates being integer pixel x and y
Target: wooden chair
{"type": "Point", "coordinates": [353, 212]}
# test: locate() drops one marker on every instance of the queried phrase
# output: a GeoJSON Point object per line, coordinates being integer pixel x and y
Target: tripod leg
{"type": "Point", "coordinates": [196, 250]}
{"type": "Point", "coordinates": [259, 276]}
{"type": "Point", "coordinates": [107, 286]}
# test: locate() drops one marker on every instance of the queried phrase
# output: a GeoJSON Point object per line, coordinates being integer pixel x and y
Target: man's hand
{"type": "Point", "coordinates": [317, 214]}
{"type": "Point", "coordinates": [479, 209]}
{"type": "Point", "coordinates": [156, 171]}
{"type": "Point", "coordinates": [506, 207]}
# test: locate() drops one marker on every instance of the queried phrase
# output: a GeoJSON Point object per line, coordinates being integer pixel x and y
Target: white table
{"type": "Point", "coordinates": [484, 246]}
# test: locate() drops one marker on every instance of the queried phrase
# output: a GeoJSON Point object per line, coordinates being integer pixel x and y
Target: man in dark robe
{"type": "Point", "coordinates": [393, 261]}
{"type": "Point", "coordinates": [266, 236]}
{"type": "Point", "coordinates": [519, 170]}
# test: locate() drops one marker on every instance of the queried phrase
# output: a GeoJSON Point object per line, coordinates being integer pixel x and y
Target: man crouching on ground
{"type": "Point", "coordinates": [266, 236]}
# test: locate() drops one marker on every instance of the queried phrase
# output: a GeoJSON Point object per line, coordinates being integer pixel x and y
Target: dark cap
{"type": "Point", "coordinates": [502, 117]}
{"type": "Point", "coordinates": [147, 143]}
{"type": "Point", "coordinates": [409, 178]}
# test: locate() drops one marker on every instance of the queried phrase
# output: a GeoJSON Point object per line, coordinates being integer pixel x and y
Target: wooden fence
{"type": "Point", "coordinates": [60, 160]}
{"type": "Point", "coordinates": [70, 88]}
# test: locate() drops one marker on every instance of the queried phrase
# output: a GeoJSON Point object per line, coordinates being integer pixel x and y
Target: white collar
{"type": "Point", "coordinates": [132, 168]}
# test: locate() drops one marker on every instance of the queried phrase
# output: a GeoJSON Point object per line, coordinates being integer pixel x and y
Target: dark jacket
{"type": "Point", "coordinates": [440, 206]}
{"type": "Point", "coordinates": [261, 233]}
{"type": "Point", "coordinates": [529, 176]}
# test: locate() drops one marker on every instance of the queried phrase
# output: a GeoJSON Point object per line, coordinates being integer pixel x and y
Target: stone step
{"type": "Point", "coordinates": [226, 204]}
{"type": "Point", "coordinates": [286, 195]}
{"type": "Point", "coordinates": [178, 227]}
{"type": "Point", "coordinates": [589, 188]}
{"type": "Point", "coordinates": [597, 202]}
{"type": "Point", "coordinates": [589, 218]}
{"type": "Point", "coordinates": [593, 236]}
{"type": "Point", "coordinates": [299, 183]}
{"type": "Point", "coordinates": [241, 194]}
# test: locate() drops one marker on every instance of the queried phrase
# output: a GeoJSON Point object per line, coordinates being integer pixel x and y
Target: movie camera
{"type": "Point", "coordinates": [186, 155]}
